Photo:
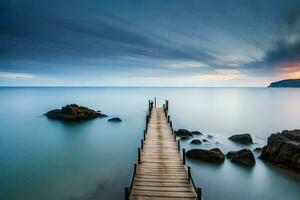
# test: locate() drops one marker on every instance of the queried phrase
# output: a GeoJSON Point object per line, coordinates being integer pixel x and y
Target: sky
{"type": "Point", "coordinates": [187, 43]}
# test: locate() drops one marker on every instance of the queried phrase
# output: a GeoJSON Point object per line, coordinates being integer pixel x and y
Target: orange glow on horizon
{"type": "Point", "coordinates": [291, 70]}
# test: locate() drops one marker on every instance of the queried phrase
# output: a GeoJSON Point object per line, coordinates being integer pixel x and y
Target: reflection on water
{"type": "Point", "coordinates": [46, 159]}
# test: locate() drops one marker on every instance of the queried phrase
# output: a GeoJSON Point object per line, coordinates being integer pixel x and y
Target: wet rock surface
{"type": "Point", "coordinates": [213, 155]}
{"type": "Point", "coordinates": [114, 119]}
{"type": "Point", "coordinates": [196, 141]}
{"type": "Point", "coordinates": [242, 138]}
{"type": "Point", "coordinates": [283, 149]}
{"type": "Point", "coordinates": [244, 157]}
{"type": "Point", "coordinates": [183, 133]}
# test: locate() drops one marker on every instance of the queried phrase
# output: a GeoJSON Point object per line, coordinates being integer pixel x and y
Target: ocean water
{"type": "Point", "coordinates": [53, 160]}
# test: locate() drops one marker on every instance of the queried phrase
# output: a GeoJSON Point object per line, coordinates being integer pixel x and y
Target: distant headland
{"type": "Point", "coordinates": [286, 83]}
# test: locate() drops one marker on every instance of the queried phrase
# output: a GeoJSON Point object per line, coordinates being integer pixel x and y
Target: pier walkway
{"type": "Point", "coordinates": [161, 172]}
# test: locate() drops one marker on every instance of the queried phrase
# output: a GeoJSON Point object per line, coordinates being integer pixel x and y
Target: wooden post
{"type": "Point", "coordinates": [126, 193]}
{"type": "Point", "coordinates": [167, 105]}
{"type": "Point", "coordinates": [199, 193]}
{"type": "Point", "coordinates": [178, 145]}
{"type": "Point", "coordinates": [155, 101]}
{"type": "Point", "coordinates": [142, 144]}
{"type": "Point", "coordinates": [144, 135]}
{"type": "Point", "coordinates": [183, 156]}
{"type": "Point", "coordinates": [139, 155]}
{"type": "Point", "coordinates": [171, 124]}
{"type": "Point", "coordinates": [168, 118]}
{"type": "Point", "coordinates": [189, 172]}
{"type": "Point", "coordinates": [147, 119]}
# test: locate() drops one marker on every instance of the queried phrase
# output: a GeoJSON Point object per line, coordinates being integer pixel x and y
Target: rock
{"type": "Point", "coordinates": [196, 133]}
{"type": "Point", "coordinates": [114, 119]}
{"type": "Point", "coordinates": [242, 138]}
{"type": "Point", "coordinates": [183, 133]}
{"type": "Point", "coordinates": [205, 141]}
{"type": "Point", "coordinates": [257, 149]}
{"type": "Point", "coordinates": [73, 112]}
{"type": "Point", "coordinates": [212, 155]}
{"type": "Point", "coordinates": [196, 141]}
{"type": "Point", "coordinates": [184, 137]}
{"type": "Point", "coordinates": [210, 136]}
{"type": "Point", "coordinates": [283, 149]}
{"type": "Point", "coordinates": [244, 157]}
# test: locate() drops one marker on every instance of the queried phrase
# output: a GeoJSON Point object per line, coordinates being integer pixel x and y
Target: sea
{"type": "Point", "coordinates": [43, 159]}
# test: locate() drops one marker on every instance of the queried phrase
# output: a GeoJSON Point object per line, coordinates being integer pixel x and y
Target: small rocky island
{"type": "Point", "coordinates": [283, 149]}
{"type": "Point", "coordinates": [74, 112]}
{"type": "Point", "coordinates": [286, 83]}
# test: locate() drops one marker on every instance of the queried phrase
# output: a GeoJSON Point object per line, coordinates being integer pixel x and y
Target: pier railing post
{"type": "Point", "coordinates": [199, 193]}
{"type": "Point", "coordinates": [171, 124]}
{"type": "Point", "coordinates": [178, 145]}
{"type": "Point", "coordinates": [139, 155]}
{"type": "Point", "coordinates": [167, 105]}
{"type": "Point", "coordinates": [189, 172]}
{"type": "Point", "coordinates": [144, 134]}
{"type": "Point", "coordinates": [142, 144]}
{"type": "Point", "coordinates": [126, 193]}
{"type": "Point", "coordinates": [183, 156]}
{"type": "Point", "coordinates": [168, 118]}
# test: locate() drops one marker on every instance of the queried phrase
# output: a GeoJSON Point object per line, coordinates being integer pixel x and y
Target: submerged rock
{"type": "Point", "coordinates": [210, 136]}
{"type": "Point", "coordinates": [283, 149]}
{"type": "Point", "coordinates": [244, 157]}
{"type": "Point", "coordinates": [196, 141]}
{"type": "Point", "coordinates": [73, 112]}
{"type": "Point", "coordinates": [213, 155]}
{"type": "Point", "coordinates": [257, 149]}
{"type": "Point", "coordinates": [196, 133]}
{"type": "Point", "coordinates": [114, 119]}
{"type": "Point", "coordinates": [205, 141]}
{"type": "Point", "coordinates": [242, 138]}
{"type": "Point", "coordinates": [183, 133]}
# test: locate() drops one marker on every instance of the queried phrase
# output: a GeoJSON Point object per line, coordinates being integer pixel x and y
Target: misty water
{"type": "Point", "coordinates": [53, 160]}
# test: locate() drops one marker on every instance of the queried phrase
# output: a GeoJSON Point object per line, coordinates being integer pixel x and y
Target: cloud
{"type": "Point", "coordinates": [13, 75]}
{"type": "Point", "coordinates": [219, 75]}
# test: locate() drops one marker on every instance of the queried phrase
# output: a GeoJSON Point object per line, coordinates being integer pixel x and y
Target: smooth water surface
{"type": "Point", "coordinates": [52, 160]}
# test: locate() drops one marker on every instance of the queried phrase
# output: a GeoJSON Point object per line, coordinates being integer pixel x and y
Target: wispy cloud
{"type": "Point", "coordinates": [219, 75]}
{"type": "Point", "coordinates": [15, 75]}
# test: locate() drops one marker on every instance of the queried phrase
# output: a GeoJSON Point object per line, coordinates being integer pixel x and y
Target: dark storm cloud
{"type": "Point", "coordinates": [286, 49]}
{"type": "Point", "coordinates": [38, 33]}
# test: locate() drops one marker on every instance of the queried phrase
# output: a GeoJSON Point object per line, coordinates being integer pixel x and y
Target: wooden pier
{"type": "Point", "coordinates": [161, 172]}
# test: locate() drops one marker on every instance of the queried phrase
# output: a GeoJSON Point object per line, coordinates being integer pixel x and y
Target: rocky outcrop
{"type": "Point", "coordinates": [242, 138]}
{"type": "Point", "coordinates": [73, 112]}
{"type": "Point", "coordinates": [283, 149]}
{"type": "Point", "coordinates": [213, 155]}
{"type": "Point", "coordinates": [286, 83]}
{"type": "Point", "coordinates": [244, 157]}
{"type": "Point", "coordinates": [196, 133]}
{"type": "Point", "coordinates": [183, 133]}
{"type": "Point", "coordinates": [196, 141]}
{"type": "Point", "coordinates": [114, 119]}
